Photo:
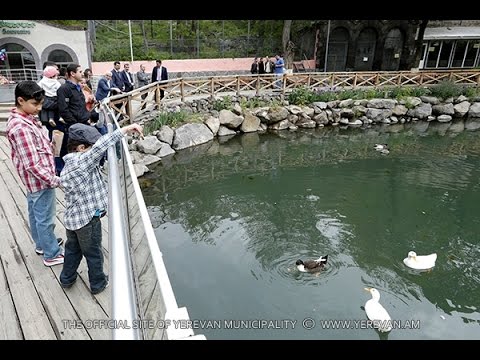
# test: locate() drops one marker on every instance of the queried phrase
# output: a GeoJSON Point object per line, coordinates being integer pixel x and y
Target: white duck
{"type": "Point", "coordinates": [379, 147]}
{"type": "Point", "coordinates": [377, 313]}
{"type": "Point", "coordinates": [420, 262]}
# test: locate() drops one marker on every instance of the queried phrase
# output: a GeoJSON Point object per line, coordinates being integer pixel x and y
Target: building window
{"type": "Point", "coordinates": [471, 54]}
{"type": "Point", "coordinates": [445, 54]}
{"type": "Point", "coordinates": [452, 54]}
{"type": "Point", "coordinates": [18, 57]}
{"type": "Point", "coordinates": [60, 57]}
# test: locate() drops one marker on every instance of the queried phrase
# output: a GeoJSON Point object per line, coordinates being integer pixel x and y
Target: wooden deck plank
{"type": "Point", "coordinates": [31, 313]}
{"type": "Point", "coordinates": [95, 307]}
{"type": "Point", "coordinates": [8, 315]}
{"type": "Point", "coordinates": [22, 205]}
{"type": "Point", "coordinates": [55, 303]}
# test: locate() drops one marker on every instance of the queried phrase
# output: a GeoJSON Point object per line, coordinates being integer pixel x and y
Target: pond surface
{"type": "Point", "coordinates": [231, 220]}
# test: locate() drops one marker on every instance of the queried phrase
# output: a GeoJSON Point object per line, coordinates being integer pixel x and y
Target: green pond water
{"type": "Point", "coordinates": [232, 218]}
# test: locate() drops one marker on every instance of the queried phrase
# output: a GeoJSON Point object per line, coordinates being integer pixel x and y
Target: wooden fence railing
{"type": "Point", "coordinates": [131, 105]}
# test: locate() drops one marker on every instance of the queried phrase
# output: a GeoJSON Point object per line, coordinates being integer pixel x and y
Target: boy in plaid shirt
{"type": "Point", "coordinates": [32, 155]}
{"type": "Point", "coordinates": [86, 199]}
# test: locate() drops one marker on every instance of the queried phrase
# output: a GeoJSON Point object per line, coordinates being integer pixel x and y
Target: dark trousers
{"type": "Point", "coordinates": [86, 241]}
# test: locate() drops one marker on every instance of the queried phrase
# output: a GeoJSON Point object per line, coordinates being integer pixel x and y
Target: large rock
{"type": "Point", "coordinates": [474, 110]}
{"type": "Point", "coordinates": [378, 115]}
{"type": "Point", "coordinates": [276, 114]}
{"type": "Point", "coordinates": [422, 111]}
{"type": "Point", "coordinates": [213, 124]}
{"type": "Point", "coordinates": [443, 109]}
{"type": "Point", "coordinates": [149, 145]}
{"type": "Point", "coordinates": [190, 135]}
{"type": "Point", "coordinates": [230, 120]}
{"type": "Point", "coordinates": [399, 110]}
{"type": "Point", "coordinates": [250, 123]}
{"type": "Point", "coordinates": [165, 150]}
{"type": "Point", "coordinates": [165, 134]}
{"type": "Point", "coordinates": [224, 131]}
{"type": "Point", "coordinates": [461, 108]}
{"type": "Point", "coordinates": [381, 103]}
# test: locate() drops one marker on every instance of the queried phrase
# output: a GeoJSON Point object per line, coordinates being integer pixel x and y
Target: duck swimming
{"type": "Point", "coordinates": [312, 265]}
{"type": "Point", "coordinates": [379, 147]}
{"type": "Point", "coordinates": [420, 262]}
{"type": "Point", "coordinates": [377, 313]}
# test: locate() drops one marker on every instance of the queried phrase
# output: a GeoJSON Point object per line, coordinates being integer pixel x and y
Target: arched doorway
{"type": "Point", "coordinates": [60, 57]}
{"type": "Point", "coordinates": [366, 42]}
{"type": "Point", "coordinates": [392, 51]}
{"type": "Point", "coordinates": [18, 57]}
{"type": "Point", "coordinates": [337, 50]}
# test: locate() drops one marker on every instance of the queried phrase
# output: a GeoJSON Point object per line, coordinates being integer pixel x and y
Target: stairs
{"type": "Point", "coordinates": [4, 112]}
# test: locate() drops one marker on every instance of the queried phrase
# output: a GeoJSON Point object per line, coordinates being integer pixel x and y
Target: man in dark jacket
{"type": "Point", "coordinates": [159, 73]}
{"type": "Point", "coordinates": [71, 103]}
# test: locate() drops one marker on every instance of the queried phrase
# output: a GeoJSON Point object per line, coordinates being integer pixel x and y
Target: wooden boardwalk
{"type": "Point", "coordinates": [33, 305]}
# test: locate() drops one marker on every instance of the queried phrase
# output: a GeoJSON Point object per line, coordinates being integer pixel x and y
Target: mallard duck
{"type": "Point", "coordinates": [377, 313]}
{"type": "Point", "coordinates": [312, 265]}
{"type": "Point", "coordinates": [379, 147]}
{"type": "Point", "coordinates": [420, 262]}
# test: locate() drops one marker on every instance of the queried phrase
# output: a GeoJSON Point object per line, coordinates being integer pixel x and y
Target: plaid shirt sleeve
{"type": "Point", "coordinates": [91, 158]}
{"type": "Point", "coordinates": [29, 156]}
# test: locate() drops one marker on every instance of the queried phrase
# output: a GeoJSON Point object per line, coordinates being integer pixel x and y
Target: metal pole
{"type": "Point", "coordinates": [131, 45]}
{"type": "Point", "coordinates": [171, 38]}
{"type": "Point", "coordinates": [326, 47]}
{"type": "Point", "coordinates": [198, 38]}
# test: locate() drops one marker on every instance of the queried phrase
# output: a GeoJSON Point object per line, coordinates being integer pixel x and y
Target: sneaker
{"type": "Point", "coordinates": [95, 292]}
{"type": "Point", "coordinates": [55, 261]}
{"type": "Point", "coordinates": [40, 251]}
{"type": "Point", "coordinates": [66, 286]}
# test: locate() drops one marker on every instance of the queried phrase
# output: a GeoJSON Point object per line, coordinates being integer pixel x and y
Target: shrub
{"type": "Point", "coordinates": [168, 118]}
{"type": "Point", "coordinates": [224, 103]}
{"type": "Point", "coordinates": [446, 89]}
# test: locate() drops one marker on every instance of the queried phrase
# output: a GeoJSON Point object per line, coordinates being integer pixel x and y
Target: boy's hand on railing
{"type": "Point", "coordinates": [133, 128]}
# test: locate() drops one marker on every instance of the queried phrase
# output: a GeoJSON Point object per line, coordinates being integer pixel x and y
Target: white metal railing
{"type": "Point", "coordinates": [141, 291]}
{"type": "Point", "coordinates": [17, 75]}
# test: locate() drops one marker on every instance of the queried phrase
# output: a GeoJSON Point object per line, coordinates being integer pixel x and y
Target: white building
{"type": "Point", "coordinates": [29, 44]}
{"type": "Point", "coordinates": [451, 47]}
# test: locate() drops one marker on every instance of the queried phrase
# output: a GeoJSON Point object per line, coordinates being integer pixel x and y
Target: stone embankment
{"type": "Point", "coordinates": [458, 114]}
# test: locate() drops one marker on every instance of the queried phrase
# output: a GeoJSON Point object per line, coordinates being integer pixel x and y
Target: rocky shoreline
{"type": "Point", "coordinates": [455, 114]}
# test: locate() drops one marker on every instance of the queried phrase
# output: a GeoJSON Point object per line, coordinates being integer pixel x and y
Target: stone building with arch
{"type": "Point", "coordinates": [362, 45]}
{"type": "Point", "coordinates": [28, 44]}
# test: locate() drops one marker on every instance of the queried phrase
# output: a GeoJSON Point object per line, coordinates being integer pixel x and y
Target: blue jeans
{"type": "Point", "coordinates": [41, 214]}
{"type": "Point", "coordinates": [86, 241]}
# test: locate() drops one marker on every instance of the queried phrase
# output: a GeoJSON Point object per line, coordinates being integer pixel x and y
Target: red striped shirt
{"type": "Point", "coordinates": [31, 152]}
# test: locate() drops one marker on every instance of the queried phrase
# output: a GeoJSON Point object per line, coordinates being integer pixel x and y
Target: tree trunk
{"type": "Point", "coordinates": [144, 33]}
{"type": "Point", "coordinates": [287, 44]}
{"type": "Point", "coordinates": [419, 44]}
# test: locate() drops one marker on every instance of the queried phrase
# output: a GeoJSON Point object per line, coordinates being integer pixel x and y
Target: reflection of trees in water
{"type": "Point", "coordinates": [304, 148]}
{"type": "Point", "coordinates": [280, 228]}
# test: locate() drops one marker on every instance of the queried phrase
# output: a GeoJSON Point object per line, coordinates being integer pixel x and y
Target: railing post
{"type": "Point", "coordinates": [182, 90]}
{"type": "Point", "coordinates": [238, 85]}
{"type": "Point", "coordinates": [129, 108]}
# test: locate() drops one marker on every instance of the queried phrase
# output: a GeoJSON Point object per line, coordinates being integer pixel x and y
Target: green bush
{"type": "Point", "coordinates": [224, 103]}
{"type": "Point", "coordinates": [446, 89]}
{"type": "Point", "coordinates": [301, 96]}
{"type": "Point", "coordinates": [168, 118]}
